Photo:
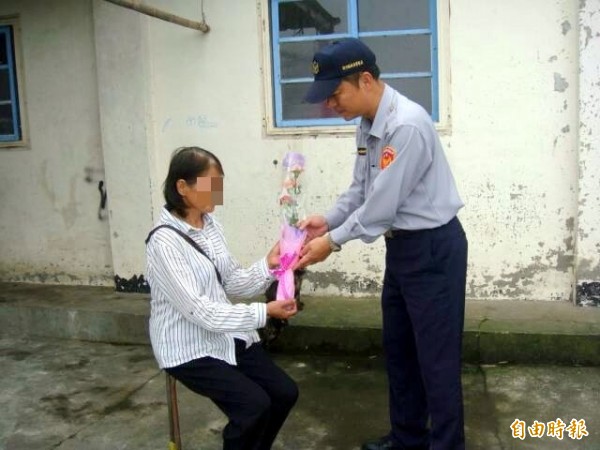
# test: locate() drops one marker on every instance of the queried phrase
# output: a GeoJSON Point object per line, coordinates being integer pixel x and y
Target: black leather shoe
{"type": "Point", "coordinates": [384, 443]}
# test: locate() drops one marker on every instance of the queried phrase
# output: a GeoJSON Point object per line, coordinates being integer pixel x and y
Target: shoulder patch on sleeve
{"type": "Point", "coordinates": [387, 157]}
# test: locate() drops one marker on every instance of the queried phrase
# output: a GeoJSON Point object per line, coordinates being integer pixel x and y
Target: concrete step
{"type": "Point", "coordinates": [495, 331]}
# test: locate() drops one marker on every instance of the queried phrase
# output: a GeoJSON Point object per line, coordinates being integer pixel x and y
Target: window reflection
{"type": "Point", "coordinates": [309, 17]}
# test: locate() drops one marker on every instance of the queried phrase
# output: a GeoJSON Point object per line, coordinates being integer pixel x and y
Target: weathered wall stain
{"type": "Point", "coordinates": [41, 276]}
{"type": "Point", "coordinates": [345, 282]}
{"type": "Point", "coordinates": [69, 211]}
{"type": "Point", "coordinates": [50, 274]}
{"type": "Point", "coordinates": [570, 224]}
{"type": "Point", "coordinates": [370, 267]}
{"type": "Point", "coordinates": [569, 243]}
{"type": "Point", "coordinates": [588, 36]}
{"type": "Point", "coordinates": [588, 269]}
{"type": "Point", "coordinates": [560, 83]}
{"type": "Point", "coordinates": [566, 27]}
{"type": "Point", "coordinates": [522, 282]}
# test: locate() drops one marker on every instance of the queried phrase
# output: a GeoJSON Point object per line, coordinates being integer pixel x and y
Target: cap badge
{"type": "Point", "coordinates": [315, 67]}
{"type": "Point", "coordinates": [387, 157]}
{"type": "Point", "coordinates": [353, 65]}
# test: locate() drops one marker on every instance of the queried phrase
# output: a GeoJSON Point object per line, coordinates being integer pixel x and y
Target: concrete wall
{"type": "Point", "coordinates": [514, 143]}
{"type": "Point", "coordinates": [49, 226]}
{"type": "Point", "coordinates": [513, 139]}
{"type": "Point", "coordinates": [126, 119]}
{"type": "Point", "coordinates": [588, 229]}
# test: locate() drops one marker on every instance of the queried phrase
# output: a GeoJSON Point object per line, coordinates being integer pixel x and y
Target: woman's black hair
{"type": "Point", "coordinates": [187, 163]}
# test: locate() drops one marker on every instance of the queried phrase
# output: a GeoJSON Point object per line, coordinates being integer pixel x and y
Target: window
{"type": "Point", "coordinates": [10, 119]}
{"type": "Point", "coordinates": [402, 33]}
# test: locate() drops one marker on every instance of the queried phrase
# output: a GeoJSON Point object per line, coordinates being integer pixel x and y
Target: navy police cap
{"type": "Point", "coordinates": [334, 62]}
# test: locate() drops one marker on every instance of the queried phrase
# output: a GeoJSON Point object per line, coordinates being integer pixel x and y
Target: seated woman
{"type": "Point", "coordinates": [198, 336]}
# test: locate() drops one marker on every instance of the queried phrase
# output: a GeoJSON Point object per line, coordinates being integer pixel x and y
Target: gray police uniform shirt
{"type": "Point", "coordinates": [401, 178]}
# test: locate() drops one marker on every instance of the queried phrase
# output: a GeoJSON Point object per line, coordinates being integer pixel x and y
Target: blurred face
{"type": "Point", "coordinates": [205, 193]}
{"type": "Point", "coordinates": [348, 100]}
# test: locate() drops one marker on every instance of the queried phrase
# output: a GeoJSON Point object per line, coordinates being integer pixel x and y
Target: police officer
{"type": "Point", "coordinates": [402, 188]}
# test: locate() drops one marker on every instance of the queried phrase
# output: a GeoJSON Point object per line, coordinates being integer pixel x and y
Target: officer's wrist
{"type": "Point", "coordinates": [334, 246]}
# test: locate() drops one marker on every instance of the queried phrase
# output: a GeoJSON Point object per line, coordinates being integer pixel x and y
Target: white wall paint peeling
{"type": "Point", "coordinates": [515, 155]}
{"type": "Point", "coordinates": [588, 245]}
{"type": "Point", "coordinates": [49, 229]}
{"type": "Point", "coordinates": [525, 169]}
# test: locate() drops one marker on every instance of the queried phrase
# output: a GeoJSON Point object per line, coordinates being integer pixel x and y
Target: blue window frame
{"type": "Point", "coordinates": [402, 33]}
{"type": "Point", "coordinates": [10, 121]}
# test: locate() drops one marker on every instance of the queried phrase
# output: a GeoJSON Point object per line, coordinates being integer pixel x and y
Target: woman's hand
{"type": "Point", "coordinates": [273, 257]}
{"type": "Point", "coordinates": [282, 309]}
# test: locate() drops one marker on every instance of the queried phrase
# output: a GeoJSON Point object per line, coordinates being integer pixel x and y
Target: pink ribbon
{"type": "Point", "coordinates": [286, 261]}
{"type": "Point", "coordinates": [285, 275]}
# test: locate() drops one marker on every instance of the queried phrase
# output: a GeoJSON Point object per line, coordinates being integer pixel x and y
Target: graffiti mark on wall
{"type": "Point", "coordinates": [95, 175]}
{"type": "Point", "coordinates": [193, 121]}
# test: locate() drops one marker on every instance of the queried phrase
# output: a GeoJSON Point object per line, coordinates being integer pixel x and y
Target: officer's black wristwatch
{"type": "Point", "coordinates": [332, 245]}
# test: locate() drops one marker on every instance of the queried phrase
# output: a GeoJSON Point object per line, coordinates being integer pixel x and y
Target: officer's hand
{"type": "Point", "coordinates": [282, 309]}
{"type": "Point", "coordinates": [313, 252]}
{"type": "Point", "coordinates": [315, 226]}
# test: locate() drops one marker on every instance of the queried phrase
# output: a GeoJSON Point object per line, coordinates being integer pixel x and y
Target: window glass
{"type": "Point", "coordinates": [379, 15]}
{"type": "Point", "coordinates": [6, 121]}
{"type": "Point", "coordinates": [312, 17]}
{"type": "Point", "coordinates": [296, 58]}
{"type": "Point", "coordinates": [416, 89]}
{"type": "Point", "coordinates": [409, 53]}
{"type": "Point", "coordinates": [4, 85]}
{"type": "Point", "coordinates": [294, 108]}
{"type": "Point", "coordinates": [3, 55]}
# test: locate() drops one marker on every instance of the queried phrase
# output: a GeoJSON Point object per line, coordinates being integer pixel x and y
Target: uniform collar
{"type": "Point", "coordinates": [377, 126]}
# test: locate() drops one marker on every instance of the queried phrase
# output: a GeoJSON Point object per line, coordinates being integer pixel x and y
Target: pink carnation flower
{"type": "Point", "coordinates": [289, 183]}
{"type": "Point", "coordinates": [285, 198]}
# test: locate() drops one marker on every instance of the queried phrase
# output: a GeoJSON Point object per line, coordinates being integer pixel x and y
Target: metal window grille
{"type": "Point", "coordinates": [407, 52]}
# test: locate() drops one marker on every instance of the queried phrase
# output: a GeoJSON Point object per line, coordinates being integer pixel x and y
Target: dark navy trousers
{"type": "Point", "coordinates": [256, 395]}
{"type": "Point", "coordinates": [423, 303]}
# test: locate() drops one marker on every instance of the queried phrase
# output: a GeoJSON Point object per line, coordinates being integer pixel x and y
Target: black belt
{"type": "Point", "coordinates": [391, 234]}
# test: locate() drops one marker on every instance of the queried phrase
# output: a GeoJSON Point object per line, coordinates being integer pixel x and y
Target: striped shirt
{"type": "Point", "coordinates": [191, 315]}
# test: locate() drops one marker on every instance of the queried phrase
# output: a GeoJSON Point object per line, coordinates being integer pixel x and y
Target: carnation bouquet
{"type": "Point", "coordinates": [291, 238]}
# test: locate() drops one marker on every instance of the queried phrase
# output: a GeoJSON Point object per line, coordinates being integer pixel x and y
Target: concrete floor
{"type": "Point", "coordinates": [68, 394]}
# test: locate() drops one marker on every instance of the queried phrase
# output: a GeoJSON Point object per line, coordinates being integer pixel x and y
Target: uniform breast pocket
{"type": "Point", "coordinates": [373, 173]}
{"type": "Point", "coordinates": [375, 170]}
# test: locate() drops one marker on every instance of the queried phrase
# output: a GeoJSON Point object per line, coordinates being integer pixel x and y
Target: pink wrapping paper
{"type": "Point", "coordinates": [290, 243]}
{"type": "Point", "coordinates": [291, 238]}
